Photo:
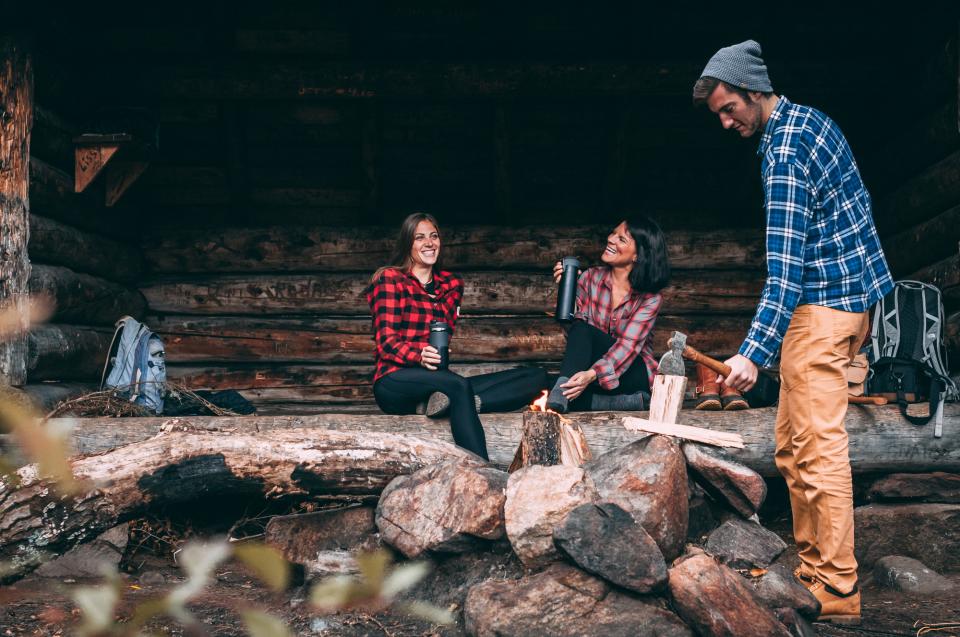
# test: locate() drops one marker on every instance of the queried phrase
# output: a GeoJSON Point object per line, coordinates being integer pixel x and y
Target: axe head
{"type": "Point", "coordinates": [671, 363]}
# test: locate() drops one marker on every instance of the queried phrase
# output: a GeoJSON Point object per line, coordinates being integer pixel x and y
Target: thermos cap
{"type": "Point", "coordinates": [439, 326]}
{"type": "Point", "coordinates": [571, 262]}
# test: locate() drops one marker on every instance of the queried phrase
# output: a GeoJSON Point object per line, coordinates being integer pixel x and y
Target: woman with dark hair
{"type": "Point", "coordinates": [609, 362]}
{"type": "Point", "coordinates": [404, 297]}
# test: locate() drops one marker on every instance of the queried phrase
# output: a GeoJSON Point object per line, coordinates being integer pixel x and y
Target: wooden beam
{"type": "Point", "coordinates": [924, 243]}
{"type": "Point", "coordinates": [67, 352]}
{"type": "Point", "coordinates": [933, 191]}
{"type": "Point", "coordinates": [85, 299]}
{"type": "Point", "coordinates": [345, 340]}
{"type": "Point", "coordinates": [16, 120]}
{"type": "Point", "coordinates": [55, 243]}
{"type": "Point", "coordinates": [880, 439]}
{"type": "Point", "coordinates": [945, 274]}
{"type": "Point", "coordinates": [735, 292]}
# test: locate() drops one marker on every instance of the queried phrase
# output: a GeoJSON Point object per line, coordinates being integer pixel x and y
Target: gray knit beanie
{"type": "Point", "coordinates": [741, 66]}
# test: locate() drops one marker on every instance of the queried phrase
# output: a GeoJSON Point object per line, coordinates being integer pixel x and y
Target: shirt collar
{"type": "Point", "coordinates": [775, 116]}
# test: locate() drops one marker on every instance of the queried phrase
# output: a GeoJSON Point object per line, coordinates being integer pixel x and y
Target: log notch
{"type": "Point", "coordinates": [16, 106]}
{"type": "Point", "coordinates": [85, 299]}
{"type": "Point", "coordinates": [182, 464]}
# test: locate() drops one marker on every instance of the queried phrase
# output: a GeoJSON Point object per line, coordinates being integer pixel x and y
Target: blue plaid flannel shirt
{"type": "Point", "coordinates": [822, 245]}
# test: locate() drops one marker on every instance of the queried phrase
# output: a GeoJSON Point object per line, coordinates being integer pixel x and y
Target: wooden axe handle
{"type": "Point", "coordinates": [866, 400]}
{"type": "Point", "coordinates": [691, 354]}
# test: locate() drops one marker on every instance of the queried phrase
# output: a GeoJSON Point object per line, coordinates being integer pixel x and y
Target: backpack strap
{"type": "Point", "coordinates": [935, 403]}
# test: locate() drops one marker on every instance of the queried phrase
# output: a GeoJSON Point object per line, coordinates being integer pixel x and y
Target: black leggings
{"type": "Point", "coordinates": [587, 344]}
{"type": "Point", "coordinates": [401, 391]}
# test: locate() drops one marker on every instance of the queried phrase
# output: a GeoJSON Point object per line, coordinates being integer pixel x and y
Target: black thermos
{"type": "Point", "coordinates": [440, 339]}
{"type": "Point", "coordinates": [567, 294]}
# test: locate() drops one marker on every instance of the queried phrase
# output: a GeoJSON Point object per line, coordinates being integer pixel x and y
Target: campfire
{"type": "Point", "coordinates": [549, 439]}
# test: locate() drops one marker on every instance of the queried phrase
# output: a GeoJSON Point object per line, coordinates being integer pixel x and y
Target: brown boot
{"type": "Point", "coordinates": [732, 399]}
{"type": "Point", "coordinates": [806, 580]}
{"type": "Point", "coordinates": [708, 389]}
{"type": "Point", "coordinates": [836, 607]}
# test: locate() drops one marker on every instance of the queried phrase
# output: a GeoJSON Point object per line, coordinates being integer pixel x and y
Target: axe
{"type": "Point", "coordinates": [765, 391]}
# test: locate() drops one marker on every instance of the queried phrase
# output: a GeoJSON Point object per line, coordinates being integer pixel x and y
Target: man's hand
{"type": "Point", "coordinates": [430, 357]}
{"type": "Point", "coordinates": [577, 383]}
{"type": "Point", "coordinates": [743, 373]}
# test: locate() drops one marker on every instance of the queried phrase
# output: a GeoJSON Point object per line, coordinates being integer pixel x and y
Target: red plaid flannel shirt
{"type": "Point", "coordinates": [631, 324]}
{"type": "Point", "coordinates": [402, 311]}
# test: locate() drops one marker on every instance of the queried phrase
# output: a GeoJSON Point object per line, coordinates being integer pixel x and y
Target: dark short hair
{"type": "Point", "coordinates": [651, 272]}
{"type": "Point", "coordinates": [706, 85]}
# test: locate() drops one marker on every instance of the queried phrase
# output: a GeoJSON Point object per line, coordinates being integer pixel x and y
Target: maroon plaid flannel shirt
{"type": "Point", "coordinates": [402, 311]}
{"type": "Point", "coordinates": [631, 324]}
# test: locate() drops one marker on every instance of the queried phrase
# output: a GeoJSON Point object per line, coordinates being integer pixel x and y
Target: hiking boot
{"type": "Point", "coordinates": [804, 579]}
{"type": "Point", "coordinates": [732, 400]}
{"type": "Point", "coordinates": [708, 389]}
{"type": "Point", "coordinates": [438, 405]}
{"type": "Point", "coordinates": [835, 607]}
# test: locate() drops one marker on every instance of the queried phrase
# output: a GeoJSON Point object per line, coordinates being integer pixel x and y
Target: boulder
{"type": "Point", "coordinates": [301, 537]}
{"type": "Point", "coordinates": [561, 601]}
{"type": "Point", "coordinates": [928, 532]}
{"type": "Point", "coordinates": [605, 540]}
{"type": "Point", "coordinates": [918, 487]}
{"type": "Point", "coordinates": [795, 622]}
{"type": "Point", "coordinates": [908, 575]}
{"type": "Point", "coordinates": [716, 601]}
{"type": "Point", "coordinates": [778, 588]}
{"type": "Point", "coordinates": [648, 478]}
{"type": "Point", "coordinates": [744, 544]}
{"type": "Point", "coordinates": [725, 479]}
{"type": "Point", "coordinates": [91, 559]}
{"type": "Point", "coordinates": [445, 507]}
{"type": "Point", "coordinates": [538, 498]}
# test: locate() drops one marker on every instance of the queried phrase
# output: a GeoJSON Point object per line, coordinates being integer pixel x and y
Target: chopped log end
{"type": "Point", "coordinates": [549, 440]}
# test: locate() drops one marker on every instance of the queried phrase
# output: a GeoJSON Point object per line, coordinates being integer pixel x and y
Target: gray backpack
{"type": "Point", "coordinates": [136, 365]}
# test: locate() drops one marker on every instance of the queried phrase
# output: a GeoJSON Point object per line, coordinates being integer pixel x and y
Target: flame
{"type": "Point", "coordinates": [540, 404]}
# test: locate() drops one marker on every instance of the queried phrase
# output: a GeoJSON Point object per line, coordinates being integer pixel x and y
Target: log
{"type": "Point", "coordinates": [923, 244]}
{"type": "Point", "coordinates": [735, 292]}
{"type": "Point", "coordinates": [919, 146]}
{"type": "Point", "coordinates": [85, 299]}
{"type": "Point", "coordinates": [932, 191]}
{"type": "Point", "coordinates": [55, 243]}
{"type": "Point", "coordinates": [345, 340]}
{"type": "Point", "coordinates": [182, 464]}
{"type": "Point", "coordinates": [945, 274]}
{"type": "Point", "coordinates": [549, 439]}
{"type": "Point", "coordinates": [16, 106]}
{"type": "Point", "coordinates": [293, 249]}
{"type": "Point", "coordinates": [46, 396]}
{"type": "Point", "coordinates": [52, 139]}
{"type": "Point", "coordinates": [880, 439]}
{"type": "Point", "coordinates": [67, 352]}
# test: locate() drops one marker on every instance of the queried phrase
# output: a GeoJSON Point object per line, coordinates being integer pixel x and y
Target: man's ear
{"type": "Point", "coordinates": [755, 96]}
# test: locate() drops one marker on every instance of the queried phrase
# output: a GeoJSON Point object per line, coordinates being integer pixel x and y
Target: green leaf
{"type": "Point", "coordinates": [429, 612]}
{"type": "Point", "coordinates": [403, 577]}
{"type": "Point", "coordinates": [373, 568]}
{"type": "Point", "coordinates": [98, 604]}
{"type": "Point", "coordinates": [334, 593]}
{"type": "Point", "coordinates": [267, 562]}
{"type": "Point", "coordinates": [261, 624]}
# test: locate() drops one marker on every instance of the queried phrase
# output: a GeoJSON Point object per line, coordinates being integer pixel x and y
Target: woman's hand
{"type": "Point", "coordinates": [557, 272]}
{"type": "Point", "coordinates": [577, 383]}
{"type": "Point", "coordinates": [430, 357]}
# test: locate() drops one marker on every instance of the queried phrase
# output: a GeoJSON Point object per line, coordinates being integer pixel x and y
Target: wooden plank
{"type": "Point", "coordinates": [55, 243]}
{"type": "Point", "coordinates": [85, 299]}
{"type": "Point", "coordinates": [923, 244]}
{"type": "Point", "coordinates": [350, 340]}
{"type": "Point", "coordinates": [686, 432]}
{"type": "Point", "coordinates": [16, 107]}
{"type": "Point", "coordinates": [931, 192]}
{"type": "Point", "coordinates": [880, 439]}
{"type": "Point", "coordinates": [735, 292]}
{"type": "Point", "coordinates": [313, 248]}
{"type": "Point", "coordinates": [67, 352]}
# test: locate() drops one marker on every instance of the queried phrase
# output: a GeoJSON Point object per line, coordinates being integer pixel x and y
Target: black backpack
{"type": "Point", "coordinates": [908, 360]}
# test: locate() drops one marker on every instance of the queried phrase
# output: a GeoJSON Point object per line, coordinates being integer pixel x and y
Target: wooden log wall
{"type": "Point", "coordinates": [89, 275]}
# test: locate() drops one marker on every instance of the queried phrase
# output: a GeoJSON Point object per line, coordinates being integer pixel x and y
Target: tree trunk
{"type": "Point", "coordinates": [85, 299]}
{"type": "Point", "coordinates": [54, 243]}
{"type": "Point", "coordinates": [182, 464]}
{"type": "Point", "coordinates": [16, 106]}
{"type": "Point", "coordinates": [719, 292]}
{"type": "Point", "coordinates": [292, 249]}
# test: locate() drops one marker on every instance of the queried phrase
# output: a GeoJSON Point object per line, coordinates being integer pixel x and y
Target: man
{"type": "Point", "coordinates": [825, 269]}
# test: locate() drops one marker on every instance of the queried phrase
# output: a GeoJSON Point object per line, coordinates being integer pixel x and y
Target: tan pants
{"type": "Point", "coordinates": [811, 438]}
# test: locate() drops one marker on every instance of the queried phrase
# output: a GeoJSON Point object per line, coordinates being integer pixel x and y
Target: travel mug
{"type": "Point", "coordinates": [440, 339]}
{"type": "Point", "coordinates": [567, 294]}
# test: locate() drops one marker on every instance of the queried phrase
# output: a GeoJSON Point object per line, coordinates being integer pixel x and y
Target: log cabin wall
{"type": "Point", "coordinates": [293, 140]}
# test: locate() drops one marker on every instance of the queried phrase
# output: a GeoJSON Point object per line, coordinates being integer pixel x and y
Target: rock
{"type": "Point", "coordinates": [153, 578]}
{"type": "Point", "coordinates": [560, 601]}
{"type": "Point", "coordinates": [538, 498]}
{"type": "Point", "coordinates": [744, 544]}
{"type": "Point", "coordinates": [605, 540]}
{"type": "Point", "coordinates": [795, 623]}
{"type": "Point", "coordinates": [702, 520]}
{"type": "Point", "coordinates": [648, 478]}
{"type": "Point", "coordinates": [778, 588]}
{"type": "Point", "coordinates": [91, 558]}
{"type": "Point", "coordinates": [301, 537]}
{"type": "Point", "coordinates": [445, 507]}
{"type": "Point", "coordinates": [928, 532]}
{"type": "Point", "coordinates": [725, 479]}
{"type": "Point", "coordinates": [453, 575]}
{"type": "Point", "coordinates": [909, 576]}
{"type": "Point", "coordinates": [714, 600]}
{"type": "Point", "coordinates": [919, 487]}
